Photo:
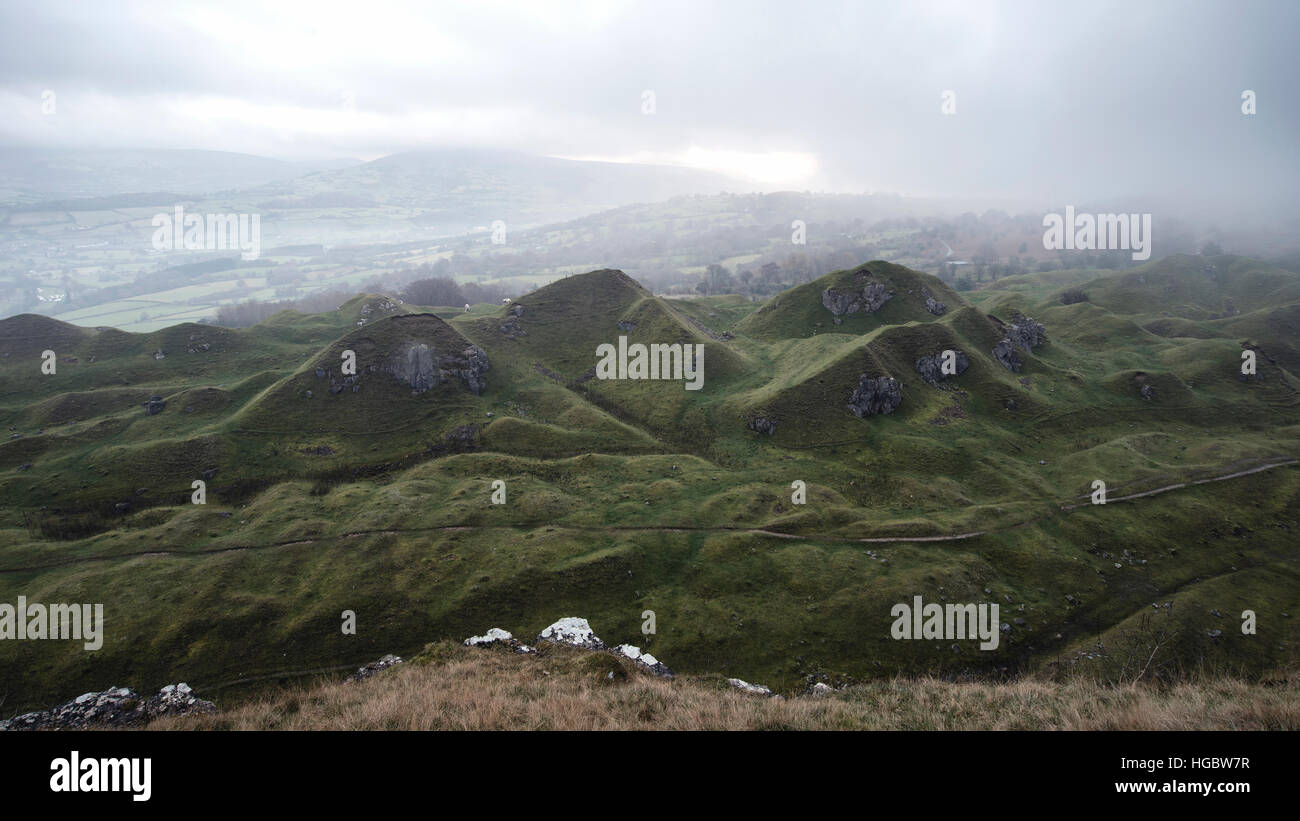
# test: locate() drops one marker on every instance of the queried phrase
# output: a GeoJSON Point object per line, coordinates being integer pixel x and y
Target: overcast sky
{"type": "Point", "coordinates": [1054, 100]}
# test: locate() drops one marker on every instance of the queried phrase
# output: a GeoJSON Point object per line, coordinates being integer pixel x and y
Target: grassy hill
{"type": "Point", "coordinates": [625, 496]}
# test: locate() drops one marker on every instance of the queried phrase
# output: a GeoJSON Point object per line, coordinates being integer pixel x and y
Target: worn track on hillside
{"type": "Point", "coordinates": [655, 529]}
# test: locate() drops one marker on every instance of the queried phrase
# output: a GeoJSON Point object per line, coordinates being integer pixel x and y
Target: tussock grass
{"type": "Point", "coordinates": [455, 688]}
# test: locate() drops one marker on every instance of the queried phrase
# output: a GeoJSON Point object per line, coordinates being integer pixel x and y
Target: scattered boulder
{"type": "Point", "coordinates": [1146, 392]}
{"type": "Point", "coordinates": [517, 309]}
{"type": "Point", "coordinates": [870, 298]}
{"type": "Point", "coordinates": [873, 395]}
{"type": "Point", "coordinates": [820, 689]}
{"type": "Point", "coordinates": [114, 707]}
{"type": "Point", "coordinates": [374, 667]}
{"type": "Point", "coordinates": [624, 325]}
{"type": "Point", "coordinates": [154, 406]}
{"type": "Point", "coordinates": [1005, 353]}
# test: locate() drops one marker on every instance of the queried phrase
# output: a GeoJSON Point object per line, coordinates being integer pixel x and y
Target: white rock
{"type": "Point", "coordinates": [494, 635]}
{"type": "Point", "coordinates": [745, 686]}
{"type": "Point", "coordinates": [573, 631]}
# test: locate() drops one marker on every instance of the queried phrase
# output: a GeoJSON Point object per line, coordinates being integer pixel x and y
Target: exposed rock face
{"type": "Point", "coordinates": [373, 667]}
{"type": "Point", "coordinates": [512, 328]}
{"type": "Point", "coordinates": [1025, 333]}
{"type": "Point", "coordinates": [875, 394]}
{"type": "Point", "coordinates": [763, 424]}
{"type": "Point", "coordinates": [422, 367]}
{"type": "Point", "coordinates": [1147, 392]}
{"type": "Point", "coordinates": [931, 367]}
{"type": "Point", "coordinates": [645, 660]}
{"type": "Point", "coordinates": [114, 707]}
{"type": "Point", "coordinates": [572, 631]}
{"type": "Point", "coordinates": [934, 306]}
{"type": "Point", "coordinates": [1005, 353]}
{"type": "Point", "coordinates": [624, 325]}
{"type": "Point", "coordinates": [154, 406]}
{"type": "Point", "coordinates": [870, 298]}
{"type": "Point", "coordinates": [462, 435]}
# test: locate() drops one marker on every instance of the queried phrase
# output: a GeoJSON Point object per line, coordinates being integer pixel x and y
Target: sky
{"type": "Point", "coordinates": [1063, 102]}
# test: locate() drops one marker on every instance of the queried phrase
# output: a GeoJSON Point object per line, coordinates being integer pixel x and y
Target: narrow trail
{"type": "Point", "coordinates": [1168, 488]}
{"type": "Point", "coordinates": [833, 539]}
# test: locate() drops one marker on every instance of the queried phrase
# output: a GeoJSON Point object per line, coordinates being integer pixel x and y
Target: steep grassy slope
{"type": "Point", "coordinates": [625, 496]}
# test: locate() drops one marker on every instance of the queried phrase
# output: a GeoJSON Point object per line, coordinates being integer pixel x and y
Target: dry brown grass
{"type": "Point", "coordinates": [457, 688]}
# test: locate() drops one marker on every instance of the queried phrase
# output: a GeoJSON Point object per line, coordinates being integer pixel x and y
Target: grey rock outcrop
{"type": "Point", "coordinates": [154, 406]}
{"type": "Point", "coordinates": [496, 636]}
{"type": "Point", "coordinates": [114, 707]}
{"type": "Point", "coordinates": [934, 306]}
{"type": "Point", "coordinates": [931, 367]}
{"type": "Point", "coordinates": [869, 298]}
{"type": "Point", "coordinates": [422, 367]}
{"type": "Point", "coordinates": [373, 667]}
{"type": "Point", "coordinates": [512, 327]}
{"type": "Point", "coordinates": [1026, 334]}
{"type": "Point", "coordinates": [1005, 353]}
{"type": "Point", "coordinates": [875, 394]}
{"type": "Point", "coordinates": [763, 424]}
{"type": "Point", "coordinates": [752, 689]}
{"type": "Point", "coordinates": [644, 660]}
{"type": "Point", "coordinates": [174, 700]}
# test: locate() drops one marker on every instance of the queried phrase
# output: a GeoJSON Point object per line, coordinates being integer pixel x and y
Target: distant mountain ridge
{"type": "Point", "coordinates": [29, 175]}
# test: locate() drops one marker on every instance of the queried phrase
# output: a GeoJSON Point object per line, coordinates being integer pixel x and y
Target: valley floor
{"type": "Point", "coordinates": [450, 687]}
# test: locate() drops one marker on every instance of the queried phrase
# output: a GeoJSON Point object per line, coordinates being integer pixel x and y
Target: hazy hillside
{"type": "Point", "coordinates": [34, 175]}
{"type": "Point", "coordinates": [458, 190]}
